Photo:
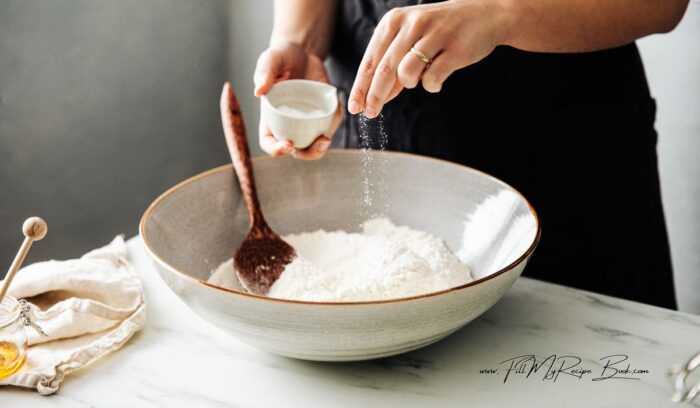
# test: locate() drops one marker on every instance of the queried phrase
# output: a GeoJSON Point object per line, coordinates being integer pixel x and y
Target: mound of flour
{"type": "Point", "coordinates": [385, 261]}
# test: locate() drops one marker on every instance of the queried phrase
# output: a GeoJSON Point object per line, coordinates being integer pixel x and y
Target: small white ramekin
{"type": "Point", "coordinates": [300, 130]}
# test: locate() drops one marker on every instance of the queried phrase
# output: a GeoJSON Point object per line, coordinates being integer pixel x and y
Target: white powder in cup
{"type": "Point", "coordinates": [385, 261]}
{"type": "Point", "coordinates": [301, 111]}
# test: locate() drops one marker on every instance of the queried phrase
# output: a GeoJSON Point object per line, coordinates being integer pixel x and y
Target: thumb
{"type": "Point", "coordinates": [266, 71]}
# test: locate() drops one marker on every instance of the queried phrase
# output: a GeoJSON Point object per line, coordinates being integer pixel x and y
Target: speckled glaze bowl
{"type": "Point", "coordinates": [194, 226]}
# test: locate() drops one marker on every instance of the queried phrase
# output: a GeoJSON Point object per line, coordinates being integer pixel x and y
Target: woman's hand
{"type": "Point", "coordinates": [287, 60]}
{"type": "Point", "coordinates": [452, 34]}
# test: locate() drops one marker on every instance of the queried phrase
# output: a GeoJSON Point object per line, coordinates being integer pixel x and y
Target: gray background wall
{"type": "Point", "coordinates": [673, 69]}
{"type": "Point", "coordinates": [105, 104]}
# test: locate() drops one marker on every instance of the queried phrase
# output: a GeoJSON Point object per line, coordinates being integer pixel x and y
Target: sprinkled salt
{"type": "Point", "coordinates": [373, 136]}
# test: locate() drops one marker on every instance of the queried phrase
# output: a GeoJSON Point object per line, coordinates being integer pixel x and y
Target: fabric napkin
{"type": "Point", "coordinates": [89, 307]}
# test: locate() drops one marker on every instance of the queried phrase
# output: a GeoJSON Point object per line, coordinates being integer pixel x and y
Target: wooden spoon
{"type": "Point", "coordinates": [34, 229]}
{"type": "Point", "coordinates": [262, 256]}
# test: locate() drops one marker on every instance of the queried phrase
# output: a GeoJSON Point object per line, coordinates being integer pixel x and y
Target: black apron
{"type": "Point", "coordinates": [573, 132]}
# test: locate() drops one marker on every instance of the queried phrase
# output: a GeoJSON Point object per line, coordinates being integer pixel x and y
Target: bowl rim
{"type": "Point", "coordinates": [229, 166]}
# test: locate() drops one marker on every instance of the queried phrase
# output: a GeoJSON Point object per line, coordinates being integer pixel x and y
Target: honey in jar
{"type": "Point", "coordinates": [13, 339]}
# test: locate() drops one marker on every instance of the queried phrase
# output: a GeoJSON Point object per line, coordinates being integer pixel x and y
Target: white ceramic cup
{"type": "Point", "coordinates": [299, 110]}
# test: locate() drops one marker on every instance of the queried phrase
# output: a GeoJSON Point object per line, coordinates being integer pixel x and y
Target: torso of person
{"type": "Point", "coordinates": [573, 132]}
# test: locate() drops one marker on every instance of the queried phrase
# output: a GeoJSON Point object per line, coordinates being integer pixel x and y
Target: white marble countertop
{"type": "Point", "coordinates": [179, 360]}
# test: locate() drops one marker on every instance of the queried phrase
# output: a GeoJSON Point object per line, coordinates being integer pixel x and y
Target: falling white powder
{"type": "Point", "coordinates": [373, 169]}
{"type": "Point", "coordinates": [385, 261]}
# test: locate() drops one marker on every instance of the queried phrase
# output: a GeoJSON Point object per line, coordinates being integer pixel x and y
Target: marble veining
{"type": "Point", "coordinates": [179, 360]}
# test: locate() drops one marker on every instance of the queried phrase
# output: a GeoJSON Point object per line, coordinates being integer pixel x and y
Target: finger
{"type": "Point", "coordinates": [394, 92]}
{"type": "Point", "coordinates": [385, 77]}
{"type": "Point", "coordinates": [271, 145]}
{"type": "Point", "coordinates": [385, 32]}
{"type": "Point", "coordinates": [442, 67]}
{"type": "Point", "coordinates": [411, 66]}
{"type": "Point", "coordinates": [317, 149]}
{"type": "Point", "coordinates": [267, 69]}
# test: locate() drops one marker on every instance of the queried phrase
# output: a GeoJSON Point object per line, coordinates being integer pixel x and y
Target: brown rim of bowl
{"type": "Point", "coordinates": [196, 177]}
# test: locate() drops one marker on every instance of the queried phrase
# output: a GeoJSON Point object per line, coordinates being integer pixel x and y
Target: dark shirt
{"type": "Point", "coordinates": [573, 132]}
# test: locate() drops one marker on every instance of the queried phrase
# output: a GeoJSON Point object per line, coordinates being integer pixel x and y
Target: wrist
{"type": "Point", "coordinates": [295, 40]}
{"type": "Point", "coordinates": [283, 40]}
{"type": "Point", "coordinates": [507, 20]}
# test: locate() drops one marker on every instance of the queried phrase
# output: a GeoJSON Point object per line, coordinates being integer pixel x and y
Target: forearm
{"type": "Point", "coordinates": [309, 23]}
{"type": "Point", "coordinates": [586, 25]}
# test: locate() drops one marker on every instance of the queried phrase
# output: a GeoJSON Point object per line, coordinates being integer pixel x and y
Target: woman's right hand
{"type": "Point", "coordinates": [287, 60]}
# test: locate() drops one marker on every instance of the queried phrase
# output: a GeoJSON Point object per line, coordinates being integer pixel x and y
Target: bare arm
{"type": "Point", "coordinates": [587, 25]}
{"type": "Point", "coordinates": [301, 38]}
{"type": "Point", "coordinates": [427, 43]}
{"type": "Point", "coordinates": [309, 23]}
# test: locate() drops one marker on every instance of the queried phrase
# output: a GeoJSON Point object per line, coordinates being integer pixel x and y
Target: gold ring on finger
{"type": "Point", "coordinates": [421, 55]}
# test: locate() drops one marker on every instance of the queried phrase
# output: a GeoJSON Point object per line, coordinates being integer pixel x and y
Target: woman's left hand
{"type": "Point", "coordinates": [451, 35]}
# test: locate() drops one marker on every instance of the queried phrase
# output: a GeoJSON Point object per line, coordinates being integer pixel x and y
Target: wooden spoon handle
{"type": "Point", "coordinates": [34, 229]}
{"type": "Point", "coordinates": [237, 142]}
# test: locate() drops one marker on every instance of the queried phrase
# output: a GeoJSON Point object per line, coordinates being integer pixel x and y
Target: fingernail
{"type": "Point", "coordinates": [370, 112]}
{"type": "Point", "coordinates": [353, 107]}
{"type": "Point", "coordinates": [323, 146]}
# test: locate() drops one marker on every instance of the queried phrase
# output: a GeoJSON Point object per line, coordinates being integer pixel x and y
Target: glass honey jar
{"type": "Point", "coordinates": [13, 338]}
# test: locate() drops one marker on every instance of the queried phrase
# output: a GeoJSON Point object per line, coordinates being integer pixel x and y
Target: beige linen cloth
{"type": "Point", "coordinates": [89, 307]}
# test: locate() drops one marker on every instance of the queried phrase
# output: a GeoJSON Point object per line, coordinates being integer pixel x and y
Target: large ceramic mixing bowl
{"type": "Point", "coordinates": [194, 226]}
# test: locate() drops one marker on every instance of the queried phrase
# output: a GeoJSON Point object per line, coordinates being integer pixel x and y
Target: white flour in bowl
{"type": "Point", "coordinates": [385, 261]}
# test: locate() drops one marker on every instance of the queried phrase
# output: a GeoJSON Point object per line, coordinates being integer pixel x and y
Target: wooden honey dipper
{"type": "Point", "coordinates": [34, 229]}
